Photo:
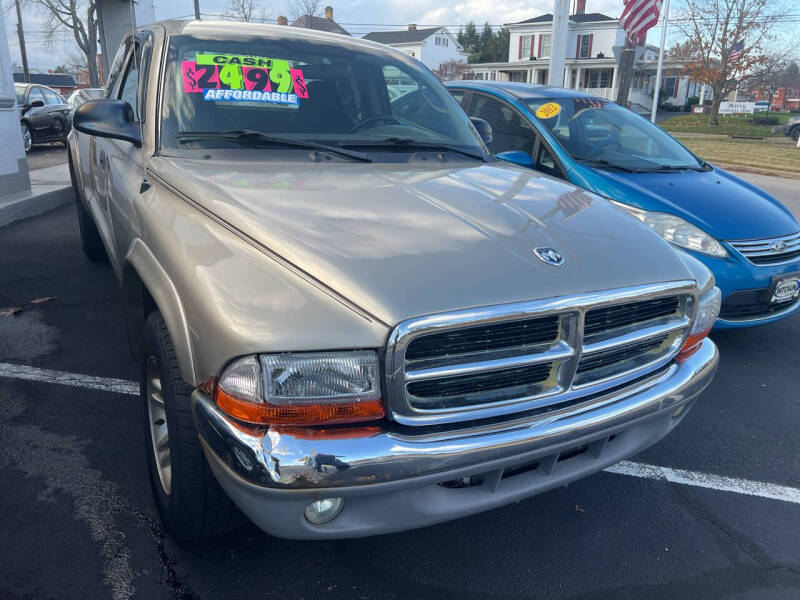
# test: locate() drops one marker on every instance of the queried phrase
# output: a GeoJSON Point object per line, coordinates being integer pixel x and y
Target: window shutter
{"type": "Point", "coordinates": [591, 39]}
{"type": "Point", "coordinates": [675, 89]}
{"type": "Point", "coordinates": [520, 48]}
{"type": "Point", "coordinates": [539, 53]}
{"type": "Point", "coordinates": [533, 37]}
{"type": "Point", "coordinates": [578, 48]}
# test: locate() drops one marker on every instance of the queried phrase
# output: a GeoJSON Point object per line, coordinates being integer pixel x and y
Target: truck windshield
{"type": "Point", "coordinates": [326, 93]}
{"type": "Point", "coordinates": [598, 132]}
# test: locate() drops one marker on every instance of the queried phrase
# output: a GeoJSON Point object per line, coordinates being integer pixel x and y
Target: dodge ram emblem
{"type": "Point", "coordinates": [549, 255]}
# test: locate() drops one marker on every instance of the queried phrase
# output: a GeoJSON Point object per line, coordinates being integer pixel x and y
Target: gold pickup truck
{"type": "Point", "coordinates": [350, 317]}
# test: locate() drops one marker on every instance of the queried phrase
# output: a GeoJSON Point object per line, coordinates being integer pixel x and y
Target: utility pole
{"type": "Point", "coordinates": [21, 35]}
{"type": "Point", "coordinates": [196, 9]}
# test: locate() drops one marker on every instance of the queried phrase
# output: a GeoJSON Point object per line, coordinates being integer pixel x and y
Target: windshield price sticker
{"type": "Point", "coordinates": [264, 79]}
{"type": "Point", "coordinates": [548, 111]}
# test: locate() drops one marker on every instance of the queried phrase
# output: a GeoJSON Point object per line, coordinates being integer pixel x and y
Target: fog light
{"type": "Point", "coordinates": [324, 511]}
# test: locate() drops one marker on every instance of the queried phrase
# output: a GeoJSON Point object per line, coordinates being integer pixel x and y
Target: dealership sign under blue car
{"type": "Point", "coordinates": [747, 238]}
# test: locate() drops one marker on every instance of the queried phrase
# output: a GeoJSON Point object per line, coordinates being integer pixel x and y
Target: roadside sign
{"type": "Point", "coordinates": [730, 108]}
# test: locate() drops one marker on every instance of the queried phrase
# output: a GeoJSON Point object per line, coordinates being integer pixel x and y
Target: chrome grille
{"type": "Point", "coordinates": [610, 317]}
{"type": "Point", "coordinates": [491, 361]}
{"type": "Point", "coordinates": [769, 251]}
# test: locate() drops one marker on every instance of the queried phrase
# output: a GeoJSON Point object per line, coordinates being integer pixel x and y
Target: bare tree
{"type": "Point", "coordinates": [452, 70]}
{"type": "Point", "coordinates": [244, 10]}
{"type": "Point", "coordinates": [302, 8]}
{"type": "Point", "coordinates": [728, 42]}
{"type": "Point", "coordinates": [81, 19]}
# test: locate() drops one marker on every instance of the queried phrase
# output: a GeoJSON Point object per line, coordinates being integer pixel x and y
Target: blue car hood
{"type": "Point", "coordinates": [716, 201]}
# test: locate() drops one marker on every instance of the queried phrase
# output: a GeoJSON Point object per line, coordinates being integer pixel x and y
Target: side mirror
{"type": "Point", "coordinates": [484, 129]}
{"type": "Point", "coordinates": [109, 119]}
{"type": "Point", "coordinates": [35, 104]}
{"type": "Point", "coordinates": [517, 157]}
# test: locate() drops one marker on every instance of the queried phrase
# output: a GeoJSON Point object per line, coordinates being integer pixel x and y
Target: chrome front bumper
{"type": "Point", "coordinates": [391, 481]}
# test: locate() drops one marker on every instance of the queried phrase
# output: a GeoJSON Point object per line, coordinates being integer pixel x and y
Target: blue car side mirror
{"type": "Point", "coordinates": [517, 157]}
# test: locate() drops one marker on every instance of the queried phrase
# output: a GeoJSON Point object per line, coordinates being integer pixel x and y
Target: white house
{"type": "Point", "coordinates": [432, 46]}
{"type": "Point", "coordinates": [595, 43]}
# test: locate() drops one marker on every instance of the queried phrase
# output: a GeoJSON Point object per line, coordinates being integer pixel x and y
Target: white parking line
{"type": "Point", "coordinates": [118, 386]}
{"type": "Point", "coordinates": [771, 491]}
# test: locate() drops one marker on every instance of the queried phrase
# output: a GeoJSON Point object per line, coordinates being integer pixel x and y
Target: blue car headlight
{"type": "Point", "coordinates": [677, 231]}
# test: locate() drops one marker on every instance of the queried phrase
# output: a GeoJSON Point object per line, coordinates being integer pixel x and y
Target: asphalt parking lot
{"type": "Point", "coordinates": [46, 155]}
{"type": "Point", "coordinates": [79, 521]}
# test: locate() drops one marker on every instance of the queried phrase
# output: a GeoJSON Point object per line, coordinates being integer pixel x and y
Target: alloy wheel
{"type": "Point", "coordinates": [159, 431]}
{"type": "Point", "coordinates": [27, 139]}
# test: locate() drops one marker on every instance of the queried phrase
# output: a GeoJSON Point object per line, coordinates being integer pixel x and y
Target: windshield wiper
{"type": "Point", "coordinates": [675, 168]}
{"type": "Point", "coordinates": [604, 163]}
{"type": "Point", "coordinates": [399, 141]}
{"type": "Point", "coordinates": [250, 135]}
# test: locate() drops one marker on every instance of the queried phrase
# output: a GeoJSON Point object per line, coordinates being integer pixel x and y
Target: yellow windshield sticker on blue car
{"type": "Point", "coordinates": [548, 111]}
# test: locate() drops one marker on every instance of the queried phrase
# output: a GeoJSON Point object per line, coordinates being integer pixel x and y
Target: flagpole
{"type": "Point", "coordinates": [660, 62]}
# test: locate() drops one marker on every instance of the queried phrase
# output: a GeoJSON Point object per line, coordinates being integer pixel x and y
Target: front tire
{"type": "Point", "coordinates": [91, 243]}
{"type": "Point", "coordinates": [189, 500]}
{"type": "Point", "coordinates": [795, 133]}
{"type": "Point", "coordinates": [27, 136]}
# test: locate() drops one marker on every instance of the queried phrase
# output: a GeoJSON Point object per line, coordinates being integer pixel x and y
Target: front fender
{"type": "Point", "coordinates": [158, 284]}
{"type": "Point", "coordinates": [223, 296]}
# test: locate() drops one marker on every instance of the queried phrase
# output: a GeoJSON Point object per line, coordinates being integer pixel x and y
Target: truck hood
{"type": "Point", "coordinates": [727, 207]}
{"type": "Point", "coordinates": [403, 241]}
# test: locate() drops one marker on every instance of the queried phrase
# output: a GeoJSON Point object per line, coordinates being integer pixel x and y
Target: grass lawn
{"type": "Point", "coordinates": [762, 156]}
{"type": "Point", "coordinates": [728, 125]}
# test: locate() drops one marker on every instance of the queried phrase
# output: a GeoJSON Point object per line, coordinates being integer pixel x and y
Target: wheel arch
{"type": "Point", "coordinates": [146, 287]}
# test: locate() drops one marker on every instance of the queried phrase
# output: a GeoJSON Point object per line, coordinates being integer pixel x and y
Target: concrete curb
{"type": "Point", "coordinates": [33, 204]}
{"type": "Point", "coordinates": [50, 188]}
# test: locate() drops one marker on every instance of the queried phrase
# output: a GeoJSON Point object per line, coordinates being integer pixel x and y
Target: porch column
{"type": "Point", "coordinates": [578, 82]}
{"type": "Point", "coordinates": [567, 77]}
{"type": "Point", "coordinates": [614, 81]}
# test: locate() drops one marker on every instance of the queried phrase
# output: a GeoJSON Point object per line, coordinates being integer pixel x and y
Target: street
{"type": "Point", "coordinates": [80, 522]}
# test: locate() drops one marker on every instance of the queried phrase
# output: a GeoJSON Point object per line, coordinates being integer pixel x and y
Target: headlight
{"type": "Point", "coordinates": [308, 388]}
{"type": "Point", "coordinates": [708, 308]}
{"type": "Point", "coordinates": [677, 231]}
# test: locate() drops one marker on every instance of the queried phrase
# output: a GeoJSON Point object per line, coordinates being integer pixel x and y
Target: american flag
{"type": "Point", "coordinates": [638, 17]}
{"type": "Point", "coordinates": [736, 52]}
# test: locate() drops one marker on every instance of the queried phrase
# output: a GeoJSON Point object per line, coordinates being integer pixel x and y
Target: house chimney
{"type": "Point", "coordinates": [329, 13]}
{"type": "Point", "coordinates": [412, 27]}
{"type": "Point", "coordinates": [283, 20]}
{"type": "Point", "coordinates": [580, 7]}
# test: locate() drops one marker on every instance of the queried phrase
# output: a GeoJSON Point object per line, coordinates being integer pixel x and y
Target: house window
{"type": "Point", "coordinates": [584, 46]}
{"type": "Point", "coordinates": [545, 44]}
{"type": "Point", "coordinates": [525, 48]}
{"type": "Point", "coordinates": [593, 78]}
{"type": "Point", "coordinates": [669, 85]}
{"type": "Point", "coordinates": [605, 78]}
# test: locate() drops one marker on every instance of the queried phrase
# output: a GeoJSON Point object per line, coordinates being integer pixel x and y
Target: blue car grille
{"type": "Point", "coordinates": [749, 304]}
{"type": "Point", "coordinates": [769, 251]}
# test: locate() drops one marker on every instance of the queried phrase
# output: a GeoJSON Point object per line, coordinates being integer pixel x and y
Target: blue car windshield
{"type": "Point", "coordinates": [598, 132]}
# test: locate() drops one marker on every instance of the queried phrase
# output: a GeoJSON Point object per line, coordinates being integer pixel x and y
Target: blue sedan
{"type": "Point", "coordinates": [747, 238]}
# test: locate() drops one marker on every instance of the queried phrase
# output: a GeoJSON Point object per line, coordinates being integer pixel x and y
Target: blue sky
{"type": "Point", "coordinates": [357, 16]}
